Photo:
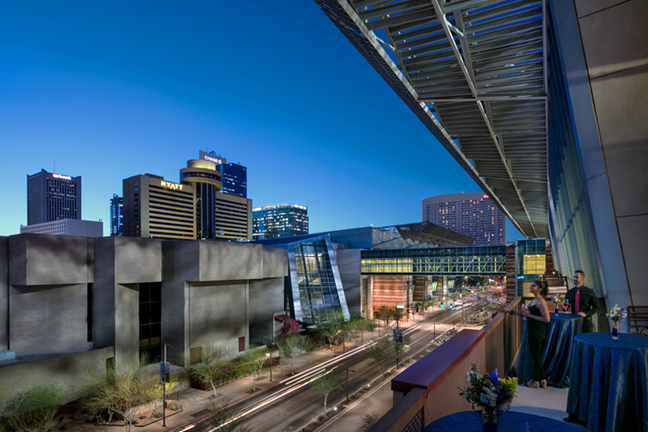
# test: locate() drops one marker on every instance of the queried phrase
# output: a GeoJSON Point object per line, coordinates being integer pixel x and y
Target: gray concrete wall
{"type": "Point", "coordinates": [266, 299]}
{"type": "Point", "coordinates": [103, 293]}
{"type": "Point", "coordinates": [126, 324]}
{"type": "Point", "coordinates": [44, 318]}
{"type": "Point", "coordinates": [69, 371]}
{"type": "Point", "coordinates": [614, 35]}
{"type": "Point", "coordinates": [4, 293]}
{"type": "Point", "coordinates": [275, 262]}
{"type": "Point", "coordinates": [220, 261]}
{"type": "Point", "coordinates": [48, 292]}
{"type": "Point", "coordinates": [348, 261]}
{"type": "Point", "coordinates": [179, 261]}
{"type": "Point", "coordinates": [121, 264]}
{"type": "Point", "coordinates": [37, 259]}
{"type": "Point", "coordinates": [217, 313]}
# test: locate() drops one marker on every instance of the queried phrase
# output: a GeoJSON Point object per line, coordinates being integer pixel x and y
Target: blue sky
{"type": "Point", "coordinates": [107, 90]}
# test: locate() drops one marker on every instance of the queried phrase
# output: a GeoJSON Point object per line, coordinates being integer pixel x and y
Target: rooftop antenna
{"type": "Point", "coordinates": [54, 166]}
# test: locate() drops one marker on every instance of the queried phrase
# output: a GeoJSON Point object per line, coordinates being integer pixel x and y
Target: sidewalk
{"type": "Point", "coordinates": [195, 403]}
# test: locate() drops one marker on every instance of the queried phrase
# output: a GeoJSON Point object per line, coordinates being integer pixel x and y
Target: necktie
{"type": "Point", "coordinates": [577, 301]}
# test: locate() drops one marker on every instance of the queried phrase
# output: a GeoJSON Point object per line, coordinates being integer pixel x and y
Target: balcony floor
{"type": "Point", "coordinates": [549, 402]}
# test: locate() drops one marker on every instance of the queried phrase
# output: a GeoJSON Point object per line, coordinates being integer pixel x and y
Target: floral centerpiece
{"type": "Point", "coordinates": [615, 314]}
{"type": "Point", "coordinates": [557, 299]}
{"type": "Point", "coordinates": [489, 392]}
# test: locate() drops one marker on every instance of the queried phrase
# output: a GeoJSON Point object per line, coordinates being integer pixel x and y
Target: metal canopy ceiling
{"type": "Point", "coordinates": [474, 72]}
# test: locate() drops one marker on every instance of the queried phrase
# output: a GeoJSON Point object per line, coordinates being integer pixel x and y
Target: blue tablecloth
{"type": "Point", "coordinates": [508, 421]}
{"type": "Point", "coordinates": [557, 350]}
{"type": "Point", "coordinates": [609, 382]}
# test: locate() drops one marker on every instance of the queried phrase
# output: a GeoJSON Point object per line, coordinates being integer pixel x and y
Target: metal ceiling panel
{"type": "Point", "coordinates": [474, 72]}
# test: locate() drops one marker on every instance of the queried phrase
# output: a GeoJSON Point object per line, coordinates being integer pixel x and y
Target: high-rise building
{"type": "Point", "coordinates": [471, 214]}
{"type": "Point", "coordinates": [191, 209]}
{"type": "Point", "coordinates": [206, 181]}
{"type": "Point", "coordinates": [233, 217]}
{"type": "Point", "coordinates": [234, 179]}
{"type": "Point", "coordinates": [280, 220]}
{"type": "Point", "coordinates": [234, 176]}
{"type": "Point", "coordinates": [52, 197]}
{"type": "Point", "coordinates": [155, 208]}
{"type": "Point", "coordinates": [116, 215]}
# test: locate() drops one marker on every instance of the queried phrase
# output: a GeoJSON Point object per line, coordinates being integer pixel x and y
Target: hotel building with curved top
{"type": "Point", "coordinates": [192, 209]}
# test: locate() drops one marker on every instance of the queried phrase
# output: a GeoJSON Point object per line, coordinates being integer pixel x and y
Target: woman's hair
{"type": "Point", "coordinates": [543, 288]}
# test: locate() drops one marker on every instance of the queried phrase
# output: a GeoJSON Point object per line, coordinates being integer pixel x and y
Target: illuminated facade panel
{"type": "Point", "coordinates": [531, 263]}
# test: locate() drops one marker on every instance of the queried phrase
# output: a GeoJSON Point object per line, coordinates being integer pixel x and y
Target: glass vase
{"type": "Point", "coordinates": [615, 330]}
{"type": "Point", "coordinates": [489, 421]}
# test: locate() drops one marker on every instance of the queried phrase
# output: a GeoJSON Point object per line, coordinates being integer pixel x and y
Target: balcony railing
{"type": "Point", "coordinates": [427, 390]}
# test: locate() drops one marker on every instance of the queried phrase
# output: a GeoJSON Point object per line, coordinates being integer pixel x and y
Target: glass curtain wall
{"type": "Point", "coordinates": [205, 210]}
{"type": "Point", "coordinates": [150, 321]}
{"type": "Point", "coordinates": [531, 263]}
{"type": "Point", "coordinates": [318, 284]}
{"type": "Point", "coordinates": [571, 224]}
{"type": "Point", "coordinates": [484, 260]}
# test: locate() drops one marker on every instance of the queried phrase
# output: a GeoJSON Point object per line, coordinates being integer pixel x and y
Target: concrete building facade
{"type": "Point", "coordinates": [77, 296]}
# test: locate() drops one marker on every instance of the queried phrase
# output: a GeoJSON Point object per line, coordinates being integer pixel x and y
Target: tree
{"type": "Point", "coordinates": [255, 361]}
{"type": "Point", "coordinates": [225, 419]}
{"type": "Point", "coordinates": [121, 392]}
{"type": "Point", "coordinates": [368, 420]}
{"type": "Point", "coordinates": [331, 332]}
{"type": "Point", "coordinates": [212, 361]}
{"type": "Point", "coordinates": [290, 348]}
{"type": "Point", "coordinates": [326, 383]}
{"type": "Point", "coordinates": [384, 313]}
{"type": "Point", "coordinates": [382, 353]}
{"type": "Point", "coordinates": [34, 409]}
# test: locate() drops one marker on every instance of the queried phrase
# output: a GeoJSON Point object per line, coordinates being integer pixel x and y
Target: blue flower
{"type": "Point", "coordinates": [494, 378]}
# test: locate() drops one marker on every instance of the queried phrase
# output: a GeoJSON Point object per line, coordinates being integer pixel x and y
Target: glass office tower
{"type": "Point", "coordinates": [280, 220]}
{"type": "Point", "coordinates": [116, 215]}
{"type": "Point", "coordinates": [51, 197]}
{"type": "Point", "coordinates": [234, 179]}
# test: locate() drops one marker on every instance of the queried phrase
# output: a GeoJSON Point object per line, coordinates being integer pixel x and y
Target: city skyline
{"type": "Point", "coordinates": [107, 94]}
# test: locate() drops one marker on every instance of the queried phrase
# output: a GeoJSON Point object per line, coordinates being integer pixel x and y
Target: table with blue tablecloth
{"type": "Point", "coordinates": [609, 382]}
{"type": "Point", "coordinates": [507, 421]}
{"type": "Point", "coordinates": [556, 352]}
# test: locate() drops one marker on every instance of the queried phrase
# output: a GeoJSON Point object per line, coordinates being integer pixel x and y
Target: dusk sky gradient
{"type": "Point", "coordinates": [108, 90]}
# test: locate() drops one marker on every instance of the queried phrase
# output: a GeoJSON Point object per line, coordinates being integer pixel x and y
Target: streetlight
{"type": "Point", "coordinates": [347, 383]}
{"type": "Point", "coordinates": [268, 355]}
{"type": "Point", "coordinates": [164, 366]}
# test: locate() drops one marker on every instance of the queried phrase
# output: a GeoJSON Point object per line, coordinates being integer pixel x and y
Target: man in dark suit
{"type": "Point", "coordinates": [582, 301]}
